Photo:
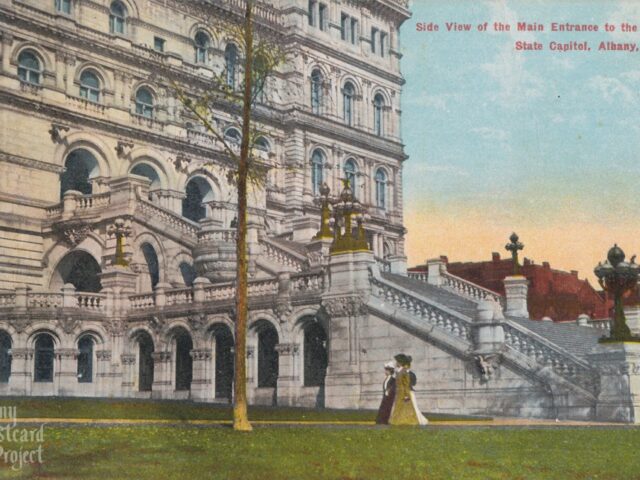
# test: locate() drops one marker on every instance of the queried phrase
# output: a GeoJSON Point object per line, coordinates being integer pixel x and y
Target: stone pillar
{"type": "Point", "coordinates": [252, 374]}
{"type": "Point", "coordinates": [69, 203]}
{"type": "Point", "coordinates": [488, 332]}
{"type": "Point", "coordinates": [289, 379]}
{"type": "Point", "coordinates": [129, 374]}
{"type": "Point", "coordinates": [22, 297]}
{"type": "Point", "coordinates": [21, 368]}
{"type": "Point", "coordinates": [66, 371]}
{"type": "Point", "coordinates": [516, 288]}
{"type": "Point", "coordinates": [398, 264]}
{"type": "Point", "coordinates": [583, 320]}
{"type": "Point", "coordinates": [435, 267]}
{"type": "Point", "coordinates": [160, 294]}
{"type": "Point", "coordinates": [69, 296]}
{"type": "Point", "coordinates": [201, 382]}
{"type": "Point", "coordinates": [104, 387]}
{"type": "Point", "coordinates": [619, 367]}
{"type": "Point", "coordinates": [162, 364]}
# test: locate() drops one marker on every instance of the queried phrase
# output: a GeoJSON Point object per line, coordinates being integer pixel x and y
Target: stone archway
{"type": "Point", "coordinates": [80, 269]}
{"type": "Point", "coordinates": [145, 361]}
{"type": "Point", "coordinates": [223, 345]}
{"type": "Point", "coordinates": [183, 344]}
{"type": "Point", "coordinates": [80, 167]}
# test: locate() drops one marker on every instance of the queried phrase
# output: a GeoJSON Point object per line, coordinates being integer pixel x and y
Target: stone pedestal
{"type": "Point", "coordinates": [398, 264]}
{"type": "Point", "coordinates": [619, 367]}
{"type": "Point", "coordinates": [304, 227]}
{"type": "Point", "coordinates": [435, 267]}
{"type": "Point", "coordinates": [215, 254]}
{"type": "Point", "coordinates": [66, 371]}
{"type": "Point", "coordinates": [516, 288]}
{"type": "Point", "coordinates": [488, 332]}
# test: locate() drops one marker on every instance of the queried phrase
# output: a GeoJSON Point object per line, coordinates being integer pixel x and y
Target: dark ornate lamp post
{"type": "Point", "coordinates": [346, 208]}
{"type": "Point", "coordinates": [617, 277]}
{"type": "Point", "coordinates": [514, 247]}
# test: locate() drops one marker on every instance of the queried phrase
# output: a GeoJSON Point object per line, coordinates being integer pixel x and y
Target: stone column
{"type": "Point", "coordinates": [252, 375]}
{"type": "Point", "coordinates": [21, 368]}
{"type": "Point", "coordinates": [162, 364]}
{"type": "Point", "coordinates": [619, 367]}
{"type": "Point", "coordinates": [104, 387]}
{"type": "Point", "coordinates": [289, 380]}
{"type": "Point", "coordinates": [66, 371]}
{"type": "Point", "coordinates": [201, 381]}
{"type": "Point", "coordinates": [516, 288]}
{"type": "Point", "coordinates": [129, 375]}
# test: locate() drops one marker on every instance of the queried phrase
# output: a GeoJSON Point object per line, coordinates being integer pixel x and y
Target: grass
{"type": "Point", "coordinates": [279, 453]}
{"type": "Point", "coordinates": [52, 407]}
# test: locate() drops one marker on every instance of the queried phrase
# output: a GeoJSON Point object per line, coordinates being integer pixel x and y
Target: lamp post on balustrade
{"type": "Point", "coordinates": [120, 229]}
{"type": "Point", "coordinates": [617, 277]}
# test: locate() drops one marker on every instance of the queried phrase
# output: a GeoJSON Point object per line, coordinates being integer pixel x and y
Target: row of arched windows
{"type": "Point", "coordinates": [348, 102]}
{"type": "Point", "coordinates": [350, 169]}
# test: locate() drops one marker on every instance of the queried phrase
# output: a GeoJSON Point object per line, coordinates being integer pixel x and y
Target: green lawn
{"type": "Point", "coordinates": [149, 452]}
{"type": "Point", "coordinates": [171, 410]}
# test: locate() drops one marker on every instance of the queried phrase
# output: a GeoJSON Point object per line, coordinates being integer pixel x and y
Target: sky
{"type": "Point", "coordinates": [543, 143]}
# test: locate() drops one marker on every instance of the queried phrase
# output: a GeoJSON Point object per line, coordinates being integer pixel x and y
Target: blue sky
{"type": "Point", "coordinates": [545, 143]}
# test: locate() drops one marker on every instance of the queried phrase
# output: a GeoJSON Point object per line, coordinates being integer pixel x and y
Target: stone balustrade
{"type": "Point", "coordinates": [420, 308]}
{"type": "Point", "coordinates": [169, 218]}
{"type": "Point", "coordinates": [91, 301]}
{"type": "Point", "coordinates": [460, 286]}
{"type": "Point", "coordinates": [301, 284]}
{"type": "Point", "coordinates": [7, 299]}
{"type": "Point", "coordinates": [283, 256]}
{"type": "Point", "coordinates": [384, 265]}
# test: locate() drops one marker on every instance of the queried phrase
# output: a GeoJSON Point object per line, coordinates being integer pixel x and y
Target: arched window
{"type": "Point", "coordinates": [184, 362]}
{"type": "Point", "coordinates": [43, 358]}
{"type": "Point", "coordinates": [144, 102]}
{"type": "Point", "coordinates": [80, 167]}
{"type": "Point", "coordinates": [378, 107]}
{"type": "Point", "coordinates": [5, 357]}
{"type": "Point", "coordinates": [381, 188]}
{"type": "Point", "coordinates": [63, 6]}
{"type": "Point", "coordinates": [203, 43]}
{"type": "Point", "coordinates": [90, 86]}
{"type": "Point", "coordinates": [223, 371]}
{"type": "Point", "coordinates": [188, 273]}
{"type": "Point", "coordinates": [233, 136]}
{"type": "Point", "coordinates": [146, 170]}
{"type": "Point", "coordinates": [231, 61]}
{"type": "Point", "coordinates": [262, 144]}
{"type": "Point", "coordinates": [151, 258]}
{"type": "Point", "coordinates": [315, 355]}
{"type": "Point", "coordinates": [117, 17]}
{"type": "Point", "coordinates": [267, 356]}
{"type": "Point", "coordinates": [348, 94]}
{"type": "Point", "coordinates": [350, 173]}
{"type": "Point", "coordinates": [316, 91]}
{"type": "Point", "coordinates": [197, 192]}
{"type": "Point", "coordinates": [145, 362]}
{"type": "Point", "coordinates": [317, 174]}
{"type": "Point", "coordinates": [85, 359]}
{"type": "Point", "coordinates": [29, 67]}
{"type": "Point", "coordinates": [80, 269]}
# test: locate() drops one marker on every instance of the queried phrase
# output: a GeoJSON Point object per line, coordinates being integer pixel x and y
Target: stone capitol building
{"type": "Point", "coordinates": [96, 152]}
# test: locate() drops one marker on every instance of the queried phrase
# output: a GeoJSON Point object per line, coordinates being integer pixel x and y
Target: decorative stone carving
{"type": "Point", "coordinates": [161, 357]}
{"type": "Point", "coordinates": [75, 233]}
{"type": "Point", "coordinates": [104, 355]}
{"type": "Point", "coordinates": [197, 321]}
{"type": "Point", "coordinates": [157, 323]}
{"type": "Point", "coordinates": [123, 148]}
{"type": "Point", "coordinates": [287, 348]}
{"type": "Point", "coordinates": [487, 365]}
{"type": "Point", "coordinates": [22, 353]}
{"type": "Point", "coordinates": [20, 323]}
{"type": "Point", "coordinates": [68, 324]}
{"type": "Point", "coordinates": [350, 306]}
{"type": "Point", "coordinates": [282, 310]}
{"type": "Point", "coordinates": [115, 327]}
{"type": "Point", "coordinates": [55, 130]}
{"type": "Point", "coordinates": [200, 354]}
{"type": "Point", "coordinates": [68, 353]}
{"type": "Point", "coordinates": [181, 162]}
{"type": "Point", "coordinates": [128, 359]}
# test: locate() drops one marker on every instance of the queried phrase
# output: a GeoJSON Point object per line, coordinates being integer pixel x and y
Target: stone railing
{"type": "Point", "coordinates": [91, 301]}
{"type": "Point", "coordinates": [169, 218]}
{"type": "Point", "coordinates": [179, 296]}
{"type": "Point", "coordinates": [224, 235]}
{"type": "Point", "coordinates": [81, 203]}
{"type": "Point", "coordinates": [383, 265]}
{"type": "Point", "coordinates": [219, 292]}
{"type": "Point", "coordinates": [421, 308]}
{"type": "Point", "coordinates": [283, 256]}
{"type": "Point", "coordinates": [547, 353]}
{"type": "Point", "coordinates": [261, 288]}
{"type": "Point", "coordinates": [460, 286]}
{"type": "Point", "coordinates": [44, 300]}
{"type": "Point", "coordinates": [601, 324]}
{"type": "Point", "coordinates": [142, 301]}
{"type": "Point", "coordinates": [7, 299]}
{"type": "Point", "coordinates": [307, 283]}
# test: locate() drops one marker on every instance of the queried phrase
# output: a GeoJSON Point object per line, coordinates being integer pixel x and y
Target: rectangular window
{"type": "Point", "coordinates": [322, 17]}
{"type": "Point", "coordinates": [374, 39]}
{"type": "Point", "coordinates": [63, 6]}
{"type": "Point", "coordinates": [354, 31]}
{"type": "Point", "coordinates": [344, 27]}
{"type": "Point", "coordinates": [383, 43]}
{"type": "Point", "coordinates": [312, 12]}
{"type": "Point", "coordinates": [158, 44]}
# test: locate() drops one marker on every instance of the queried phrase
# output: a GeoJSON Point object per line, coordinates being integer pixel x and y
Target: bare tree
{"type": "Point", "coordinates": [261, 57]}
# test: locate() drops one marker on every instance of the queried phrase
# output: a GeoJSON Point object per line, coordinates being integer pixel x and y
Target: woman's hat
{"type": "Point", "coordinates": [390, 366]}
{"type": "Point", "coordinates": [402, 359]}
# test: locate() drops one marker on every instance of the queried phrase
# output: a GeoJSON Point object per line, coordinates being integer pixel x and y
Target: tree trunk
{"type": "Point", "coordinates": [240, 418]}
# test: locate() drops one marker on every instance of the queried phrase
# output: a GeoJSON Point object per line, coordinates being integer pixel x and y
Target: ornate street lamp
{"type": "Point", "coordinates": [346, 209]}
{"type": "Point", "coordinates": [617, 277]}
{"type": "Point", "coordinates": [120, 229]}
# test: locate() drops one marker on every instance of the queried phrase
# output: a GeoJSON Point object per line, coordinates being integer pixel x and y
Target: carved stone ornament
{"type": "Point", "coordinates": [122, 148]}
{"type": "Point", "coordinates": [284, 349]}
{"type": "Point", "coordinates": [115, 327]}
{"type": "Point", "coordinates": [197, 321]}
{"type": "Point", "coordinates": [282, 310]}
{"type": "Point", "coordinates": [157, 324]}
{"type": "Point", "coordinates": [68, 324]}
{"type": "Point", "coordinates": [55, 130]}
{"type": "Point", "coordinates": [200, 354]}
{"type": "Point", "coordinates": [103, 355]}
{"type": "Point", "coordinates": [351, 306]}
{"type": "Point", "coordinates": [20, 323]}
{"type": "Point", "coordinates": [75, 233]}
{"type": "Point", "coordinates": [487, 365]}
{"type": "Point", "coordinates": [127, 359]}
{"type": "Point", "coordinates": [181, 163]}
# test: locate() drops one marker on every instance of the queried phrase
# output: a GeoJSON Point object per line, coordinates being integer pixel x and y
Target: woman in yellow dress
{"type": "Point", "coordinates": [405, 410]}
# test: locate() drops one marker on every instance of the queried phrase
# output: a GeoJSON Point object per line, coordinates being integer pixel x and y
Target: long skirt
{"type": "Point", "coordinates": [384, 412]}
{"type": "Point", "coordinates": [421, 418]}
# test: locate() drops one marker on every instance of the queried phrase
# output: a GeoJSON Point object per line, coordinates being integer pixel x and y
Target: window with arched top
{"type": "Point", "coordinates": [5, 356]}
{"type": "Point", "coordinates": [348, 95]}
{"type": "Point", "coordinates": [117, 17]}
{"type": "Point", "coordinates": [378, 108]}
{"type": "Point", "coordinates": [231, 62]}
{"type": "Point", "coordinates": [202, 44]}
{"type": "Point", "coordinates": [43, 358]}
{"type": "Point", "coordinates": [316, 91]}
{"type": "Point", "coordinates": [233, 136]}
{"type": "Point", "coordinates": [29, 69]}
{"type": "Point", "coordinates": [144, 102]}
{"type": "Point", "coordinates": [381, 188]}
{"type": "Point", "coordinates": [317, 173]}
{"type": "Point", "coordinates": [63, 6]}
{"type": "Point", "coordinates": [262, 144]}
{"type": "Point", "coordinates": [90, 86]}
{"type": "Point", "coordinates": [350, 173]}
{"type": "Point", "coordinates": [85, 359]}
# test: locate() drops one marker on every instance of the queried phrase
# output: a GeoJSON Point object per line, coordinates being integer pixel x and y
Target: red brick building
{"type": "Point", "coordinates": [556, 294]}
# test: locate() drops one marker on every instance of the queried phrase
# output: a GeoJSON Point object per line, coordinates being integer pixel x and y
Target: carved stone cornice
{"type": "Point", "coordinates": [161, 357]}
{"type": "Point", "coordinates": [66, 353]}
{"type": "Point", "coordinates": [104, 355]}
{"type": "Point", "coordinates": [347, 306]}
{"type": "Point", "coordinates": [201, 354]}
{"type": "Point", "coordinates": [127, 359]}
{"type": "Point", "coordinates": [22, 353]}
{"type": "Point", "coordinates": [284, 349]}
{"type": "Point", "coordinates": [29, 163]}
{"type": "Point", "coordinates": [197, 321]}
{"type": "Point", "coordinates": [73, 233]}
